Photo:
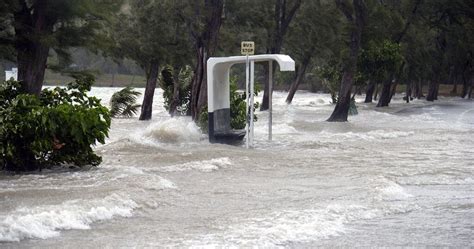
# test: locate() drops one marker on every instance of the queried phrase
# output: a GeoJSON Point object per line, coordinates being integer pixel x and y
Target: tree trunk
{"type": "Point", "coordinates": [175, 99]}
{"type": "Point", "coordinates": [197, 82]}
{"type": "Point", "coordinates": [432, 91]}
{"type": "Point", "coordinates": [376, 91]}
{"type": "Point", "coordinates": [419, 89]}
{"type": "Point", "coordinates": [467, 88]}
{"type": "Point", "coordinates": [282, 20]}
{"type": "Point", "coordinates": [205, 44]}
{"type": "Point", "coordinates": [385, 95]}
{"type": "Point", "coordinates": [32, 53]}
{"type": "Point", "coordinates": [408, 91]}
{"type": "Point", "coordinates": [469, 95]}
{"type": "Point", "coordinates": [344, 98]}
{"type": "Point", "coordinates": [298, 79]}
{"type": "Point", "coordinates": [32, 66]}
{"type": "Point", "coordinates": [369, 92]}
{"type": "Point", "coordinates": [151, 77]}
{"type": "Point", "coordinates": [453, 80]}
{"type": "Point", "coordinates": [393, 91]}
{"type": "Point", "coordinates": [454, 91]}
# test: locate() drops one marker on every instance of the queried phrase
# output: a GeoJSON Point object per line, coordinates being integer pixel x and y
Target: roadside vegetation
{"type": "Point", "coordinates": [419, 48]}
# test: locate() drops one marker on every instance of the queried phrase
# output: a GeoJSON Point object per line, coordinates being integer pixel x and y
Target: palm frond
{"type": "Point", "coordinates": [123, 104]}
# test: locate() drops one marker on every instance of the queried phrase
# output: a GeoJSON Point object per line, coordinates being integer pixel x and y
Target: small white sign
{"type": "Point", "coordinates": [12, 74]}
{"type": "Point", "coordinates": [247, 48]}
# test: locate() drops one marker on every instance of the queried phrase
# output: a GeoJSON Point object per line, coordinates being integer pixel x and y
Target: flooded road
{"type": "Point", "coordinates": [401, 176]}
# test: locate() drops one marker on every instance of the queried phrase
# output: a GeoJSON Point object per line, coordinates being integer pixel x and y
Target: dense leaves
{"type": "Point", "coordinates": [123, 103]}
{"type": "Point", "coordinates": [238, 105]}
{"type": "Point", "coordinates": [183, 96]}
{"type": "Point", "coordinates": [59, 127]}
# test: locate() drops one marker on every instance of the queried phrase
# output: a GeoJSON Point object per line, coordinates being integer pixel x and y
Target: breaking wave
{"type": "Point", "coordinates": [174, 130]}
{"type": "Point", "coordinates": [203, 166]}
{"type": "Point", "coordinates": [371, 135]}
{"type": "Point", "coordinates": [47, 221]}
{"type": "Point", "coordinates": [282, 228]}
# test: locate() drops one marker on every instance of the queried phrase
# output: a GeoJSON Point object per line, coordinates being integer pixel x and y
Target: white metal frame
{"type": "Point", "coordinates": [218, 70]}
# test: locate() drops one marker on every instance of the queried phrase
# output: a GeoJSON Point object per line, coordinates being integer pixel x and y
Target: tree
{"type": "Point", "coordinates": [314, 34]}
{"type": "Point", "coordinates": [203, 20]}
{"type": "Point", "coordinates": [355, 15]}
{"type": "Point", "coordinates": [283, 15]}
{"type": "Point", "coordinates": [40, 25]}
{"type": "Point", "coordinates": [149, 34]}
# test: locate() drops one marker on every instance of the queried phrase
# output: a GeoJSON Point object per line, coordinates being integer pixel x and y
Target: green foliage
{"type": "Point", "coordinates": [353, 107]}
{"type": "Point", "coordinates": [237, 108]}
{"type": "Point", "coordinates": [58, 127]}
{"type": "Point", "coordinates": [167, 84]}
{"type": "Point", "coordinates": [151, 31]}
{"type": "Point", "coordinates": [379, 60]}
{"type": "Point", "coordinates": [123, 104]}
{"type": "Point", "coordinates": [331, 74]}
{"type": "Point", "coordinates": [238, 104]}
{"type": "Point", "coordinates": [59, 25]}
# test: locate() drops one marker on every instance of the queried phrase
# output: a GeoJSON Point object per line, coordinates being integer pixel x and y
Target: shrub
{"type": "Point", "coordinates": [58, 127]}
{"type": "Point", "coordinates": [123, 104]}
{"type": "Point", "coordinates": [184, 77]}
{"type": "Point", "coordinates": [237, 108]}
{"type": "Point", "coordinates": [331, 75]}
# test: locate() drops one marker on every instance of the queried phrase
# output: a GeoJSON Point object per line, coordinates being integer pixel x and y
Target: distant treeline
{"type": "Point", "coordinates": [340, 46]}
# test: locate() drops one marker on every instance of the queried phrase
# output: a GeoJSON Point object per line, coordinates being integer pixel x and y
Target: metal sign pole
{"type": "Point", "coordinates": [247, 121]}
{"type": "Point", "coordinates": [270, 97]}
{"type": "Point", "coordinates": [252, 76]}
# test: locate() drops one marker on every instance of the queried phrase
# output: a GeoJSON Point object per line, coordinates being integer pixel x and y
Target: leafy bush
{"type": "Point", "coordinates": [123, 104]}
{"type": "Point", "coordinates": [237, 108]}
{"type": "Point", "coordinates": [331, 75]}
{"type": "Point", "coordinates": [184, 78]}
{"type": "Point", "coordinates": [58, 127]}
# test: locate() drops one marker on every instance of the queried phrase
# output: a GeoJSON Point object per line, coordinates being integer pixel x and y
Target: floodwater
{"type": "Point", "coordinates": [395, 177]}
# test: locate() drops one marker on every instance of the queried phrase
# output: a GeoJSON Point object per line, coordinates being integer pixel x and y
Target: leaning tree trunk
{"type": "Point", "coordinates": [298, 79]}
{"type": "Point", "coordinates": [386, 94]}
{"type": "Point", "coordinates": [393, 91]}
{"type": "Point", "coordinates": [205, 44]}
{"type": "Point", "coordinates": [32, 52]}
{"type": "Point", "coordinates": [282, 20]}
{"type": "Point", "coordinates": [369, 92]}
{"type": "Point", "coordinates": [198, 80]}
{"type": "Point", "coordinates": [151, 78]}
{"type": "Point", "coordinates": [344, 98]}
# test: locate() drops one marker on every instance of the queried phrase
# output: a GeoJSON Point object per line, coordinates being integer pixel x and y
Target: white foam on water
{"type": "Point", "coordinates": [173, 130]}
{"type": "Point", "coordinates": [371, 135]}
{"type": "Point", "coordinates": [283, 228]}
{"type": "Point", "coordinates": [140, 178]}
{"type": "Point", "coordinates": [203, 166]}
{"type": "Point", "coordinates": [390, 190]}
{"type": "Point", "coordinates": [47, 221]}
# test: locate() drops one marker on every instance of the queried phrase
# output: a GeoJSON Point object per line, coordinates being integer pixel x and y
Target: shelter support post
{"type": "Point", "coordinates": [270, 97]}
{"type": "Point", "coordinates": [247, 100]}
{"type": "Point", "coordinates": [252, 88]}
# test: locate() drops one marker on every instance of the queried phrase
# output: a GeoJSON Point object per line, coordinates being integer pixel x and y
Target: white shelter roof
{"type": "Point", "coordinates": [284, 61]}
